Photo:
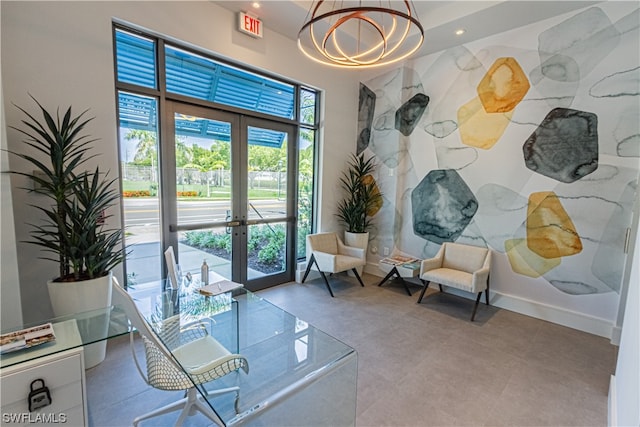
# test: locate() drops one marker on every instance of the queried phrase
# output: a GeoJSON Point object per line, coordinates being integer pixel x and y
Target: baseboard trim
{"type": "Point", "coordinates": [549, 313]}
{"type": "Point", "coordinates": [300, 269]}
{"type": "Point", "coordinates": [616, 334]}
{"type": "Point", "coordinates": [553, 314]}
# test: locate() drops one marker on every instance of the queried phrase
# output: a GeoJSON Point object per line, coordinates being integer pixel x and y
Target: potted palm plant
{"type": "Point", "coordinates": [73, 232]}
{"type": "Point", "coordinates": [362, 201]}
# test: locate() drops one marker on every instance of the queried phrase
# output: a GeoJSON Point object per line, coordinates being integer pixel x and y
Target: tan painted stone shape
{"type": "Point", "coordinates": [550, 231]}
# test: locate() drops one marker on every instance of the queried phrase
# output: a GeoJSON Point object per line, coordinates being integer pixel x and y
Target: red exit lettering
{"type": "Point", "coordinates": [250, 25]}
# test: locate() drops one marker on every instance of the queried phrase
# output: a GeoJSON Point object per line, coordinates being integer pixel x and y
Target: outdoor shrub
{"type": "Point", "coordinates": [136, 193]}
{"type": "Point", "coordinates": [270, 253]}
{"type": "Point", "coordinates": [208, 240]}
{"type": "Point", "coordinates": [187, 193]}
{"type": "Point", "coordinates": [255, 239]}
{"type": "Point", "coordinates": [272, 242]}
{"type": "Point", "coordinates": [222, 241]}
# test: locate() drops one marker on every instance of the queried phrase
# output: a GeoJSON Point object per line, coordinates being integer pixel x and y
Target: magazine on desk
{"type": "Point", "coordinates": [220, 287]}
{"type": "Point", "coordinates": [402, 260]}
{"type": "Point", "coordinates": [26, 338]}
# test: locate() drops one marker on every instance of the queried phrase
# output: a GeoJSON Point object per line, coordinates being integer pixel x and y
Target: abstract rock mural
{"type": "Point", "coordinates": [550, 231]}
{"type": "Point", "coordinates": [377, 205]}
{"type": "Point", "coordinates": [442, 206]}
{"type": "Point", "coordinates": [479, 128]}
{"type": "Point", "coordinates": [565, 145]}
{"type": "Point", "coordinates": [530, 145]}
{"type": "Point", "coordinates": [366, 105]}
{"type": "Point", "coordinates": [525, 261]}
{"type": "Point", "coordinates": [503, 87]}
{"type": "Point", "coordinates": [408, 115]}
{"type": "Point", "coordinates": [569, 51]}
{"type": "Point", "coordinates": [586, 39]}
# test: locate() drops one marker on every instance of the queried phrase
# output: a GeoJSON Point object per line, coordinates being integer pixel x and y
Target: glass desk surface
{"type": "Point", "coordinates": [298, 375]}
{"type": "Point", "coordinates": [71, 331]}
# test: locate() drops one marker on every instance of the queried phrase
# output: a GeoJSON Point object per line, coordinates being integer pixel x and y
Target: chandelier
{"type": "Point", "coordinates": [352, 34]}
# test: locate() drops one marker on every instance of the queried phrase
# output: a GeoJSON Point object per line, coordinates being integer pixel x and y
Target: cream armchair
{"type": "Point", "coordinates": [330, 255]}
{"type": "Point", "coordinates": [458, 266]}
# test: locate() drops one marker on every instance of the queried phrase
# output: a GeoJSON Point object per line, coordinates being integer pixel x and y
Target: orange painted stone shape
{"type": "Point", "coordinates": [550, 231]}
{"type": "Point", "coordinates": [503, 87]}
{"type": "Point", "coordinates": [481, 129]}
{"type": "Point", "coordinates": [368, 179]}
{"type": "Point", "coordinates": [526, 262]}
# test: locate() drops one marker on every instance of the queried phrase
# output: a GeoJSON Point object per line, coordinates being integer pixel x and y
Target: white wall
{"type": "Point", "coordinates": [11, 309]}
{"type": "Point", "coordinates": [61, 53]}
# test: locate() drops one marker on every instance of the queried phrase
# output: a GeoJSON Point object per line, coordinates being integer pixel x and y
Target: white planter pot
{"type": "Point", "coordinates": [357, 240]}
{"type": "Point", "coordinates": [78, 297]}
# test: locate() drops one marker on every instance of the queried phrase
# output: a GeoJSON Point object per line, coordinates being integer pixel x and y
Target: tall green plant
{"type": "Point", "coordinates": [362, 194]}
{"type": "Point", "coordinates": [73, 230]}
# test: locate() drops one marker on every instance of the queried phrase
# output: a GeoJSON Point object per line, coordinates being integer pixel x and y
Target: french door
{"type": "Point", "coordinates": [229, 186]}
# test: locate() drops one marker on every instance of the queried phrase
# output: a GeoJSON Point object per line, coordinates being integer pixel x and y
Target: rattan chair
{"type": "Point", "coordinates": [179, 357]}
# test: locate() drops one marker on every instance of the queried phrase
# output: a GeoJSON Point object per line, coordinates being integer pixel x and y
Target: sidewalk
{"type": "Point", "coordinates": [146, 258]}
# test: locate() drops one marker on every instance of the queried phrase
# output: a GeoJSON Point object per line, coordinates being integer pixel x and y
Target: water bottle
{"type": "Point", "coordinates": [204, 273]}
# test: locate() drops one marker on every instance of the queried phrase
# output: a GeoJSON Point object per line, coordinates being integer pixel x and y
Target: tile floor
{"type": "Point", "coordinates": [418, 364]}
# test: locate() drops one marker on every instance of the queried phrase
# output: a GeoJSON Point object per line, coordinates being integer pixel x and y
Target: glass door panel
{"type": "Point", "coordinates": [270, 222]}
{"type": "Point", "coordinates": [228, 187]}
{"type": "Point", "coordinates": [201, 188]}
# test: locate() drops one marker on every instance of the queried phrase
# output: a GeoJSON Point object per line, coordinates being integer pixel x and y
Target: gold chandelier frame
{"type": "Point", "coordinates": [324, 46]}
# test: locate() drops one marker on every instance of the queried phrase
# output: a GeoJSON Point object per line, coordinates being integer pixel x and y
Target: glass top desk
{"type": "Point", "coordinates": [298, 375]}
{"type": "Point", "coordinates": [72, 331]}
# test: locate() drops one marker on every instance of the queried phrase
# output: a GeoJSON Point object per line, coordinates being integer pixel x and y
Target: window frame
{"type": "Point", "coordinates": [162, 95]}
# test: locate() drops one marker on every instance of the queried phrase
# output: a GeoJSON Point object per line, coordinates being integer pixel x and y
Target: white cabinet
{"type": "Point", "coordinates": [63, 375]}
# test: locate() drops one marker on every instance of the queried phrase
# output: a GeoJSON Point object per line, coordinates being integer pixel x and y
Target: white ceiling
{"type": "Point", "coordinates": [440, 19]}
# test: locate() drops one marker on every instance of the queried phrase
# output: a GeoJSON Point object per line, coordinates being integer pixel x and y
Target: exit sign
{"type": "Point", "coordinates": [250, 25]}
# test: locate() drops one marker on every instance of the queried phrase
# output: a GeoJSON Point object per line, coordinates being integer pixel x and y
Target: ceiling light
{"type": "Point", "coordinates": [460, 32]}
{"type": "Point", "coordinates": [255, 5]}
{"type": "Point", "coordinates": [360, 33]}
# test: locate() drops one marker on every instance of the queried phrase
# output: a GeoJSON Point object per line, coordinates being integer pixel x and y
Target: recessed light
{"type": "Point", "coordinates": [256, 5]}
{"type": "Point", "coordinates": [460, 32]}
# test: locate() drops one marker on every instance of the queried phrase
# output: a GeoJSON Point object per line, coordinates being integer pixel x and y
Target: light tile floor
{"type": "Point", "coordinates": [418, 364]}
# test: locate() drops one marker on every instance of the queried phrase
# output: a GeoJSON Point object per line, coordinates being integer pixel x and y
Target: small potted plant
{"type": "Point", "coordinates": [73, 232]}
{"type": "Point", "coordinates": [362, 201]}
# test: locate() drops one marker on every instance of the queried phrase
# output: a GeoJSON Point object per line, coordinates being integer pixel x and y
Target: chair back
{"type": "Point", "coordinates": [172, 267]}
{"type": "Point", "coordinates": [322, 242]}
{"type": "Point", "coordinates": [122, 298]}
{"type": "Point", "coordinates": [463, 257]}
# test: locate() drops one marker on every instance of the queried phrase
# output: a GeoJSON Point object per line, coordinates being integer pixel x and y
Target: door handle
{"type": "Point", "coordinates": [236, 223]}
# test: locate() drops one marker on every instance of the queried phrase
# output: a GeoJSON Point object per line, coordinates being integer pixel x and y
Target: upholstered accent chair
{"type": "Point", "coordinates": [179, 357]}
{"type": "Point", "coordinates": [329, 255]}
{"type": "Point", "coordinates": [459, 266]}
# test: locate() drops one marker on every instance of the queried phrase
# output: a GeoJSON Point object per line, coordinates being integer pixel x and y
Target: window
{"type": "Point", "coordinates": [140, 186]}
{"type": "Point", "coordinates": [136, 62]}
{"type": "Point", "coordinates": [202, 78]}
{"type": "Point", "coordinates": [208, 82]}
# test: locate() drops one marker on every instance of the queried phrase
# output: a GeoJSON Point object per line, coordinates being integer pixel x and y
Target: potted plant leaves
{"type": "Point", "coordinates": [73, 232]}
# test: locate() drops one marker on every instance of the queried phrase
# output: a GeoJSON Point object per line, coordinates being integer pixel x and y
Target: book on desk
{"type": "Point", "coordinates": [219, 287]}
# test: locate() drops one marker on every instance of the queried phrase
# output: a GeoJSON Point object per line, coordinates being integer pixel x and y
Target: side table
{"type": "Point", "coordinates": [401, 271]}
